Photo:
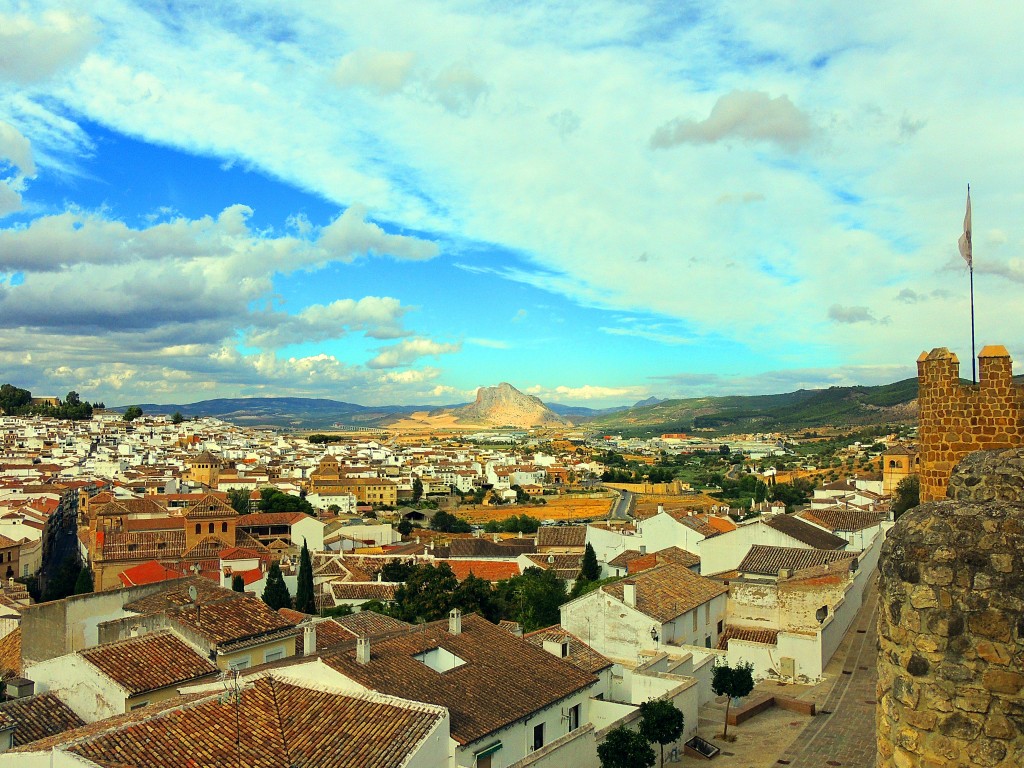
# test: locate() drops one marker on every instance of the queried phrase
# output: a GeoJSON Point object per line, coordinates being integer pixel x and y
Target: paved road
{"type": "Point", "coordinates": [846, 737]}
{"type": "Point", "coordinates": [622, 506]}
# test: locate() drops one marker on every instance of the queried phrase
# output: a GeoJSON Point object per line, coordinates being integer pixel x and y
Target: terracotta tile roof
{"type": "Point", "coordinates": [176, 594]}
{"type": "Point", "coordinates": [504, 679]}
{"type": "Point", "coordinates": [488, 570]}
{"type": "Point", "coordinates": [622, 559]}
{"type": "Point", "coordinates": [668, 591]}
{"type": "Point", "coordinates": [361, 590]}
{"type": "Point", "coordinates": [257, 519]}
{"type": "Point", "coordinates": [477, 548]}
{"type": "Point", "coordinates": [209, 507]}
{"type": "Point", "coordinates": [239, 553]}
{"type": "Point", "coordinates": [281, 723]}
{"type": "Point", "coordinates": [149, 662]}
{"type": "Point", "coordinates": [768, 561]}
{"type": "Point", "coordinates": [579, 653]}
{"type": "Point", "coordinates": [842, 519]}
{"type": "Point", "coordinates": [10, 654]}
{"type": "Point", "coordinates": [147, 573]}
{"type": "Point", "coordinates": [232, 620]}
{"type": "Point", "coordinates": [765, 636]}
{"type": "Point", "coordinates": [37, 717]}
{"type": "Point", "coordinates": [667, 555]}
{"type": "Point", "coordinates": [143, 545]}
{"type": "Point", "coordinates": [562, 536]}
{"type": "Point", "coordinates": [368, 623]}
{"type": "Point", "coordinates": [700, 525]}
{"type": "Point", "coordinates": [207, 548]}
{"type": "Point", "coordinates": [805, 533]}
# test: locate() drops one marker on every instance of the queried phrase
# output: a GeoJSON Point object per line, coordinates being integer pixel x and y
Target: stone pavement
{"type": "Point", "coordinates": [842, 735]}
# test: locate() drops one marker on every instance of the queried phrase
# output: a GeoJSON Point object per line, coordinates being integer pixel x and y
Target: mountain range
{"type": "Point", "coordinates": [504, 405]}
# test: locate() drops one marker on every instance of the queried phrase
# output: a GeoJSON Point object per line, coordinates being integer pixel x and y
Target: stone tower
{"type": "Point", "coordinates": [957, 418]}
{"type": "Point", "coordinates": [951, 624]}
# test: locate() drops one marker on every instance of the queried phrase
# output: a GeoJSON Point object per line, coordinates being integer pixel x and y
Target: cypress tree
{"type": "Point", "coordinates": [276, 594]}
{"type": "Point", "coordinates": [238, 583]}
{"type": "Point", "coordinates": [590, 570]}
{"type": "Point", "coordinates": [304, 600]}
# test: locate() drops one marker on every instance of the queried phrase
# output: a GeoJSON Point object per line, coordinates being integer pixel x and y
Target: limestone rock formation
{"type": "Point", "coordinates": [506, 405]}
{"type": "Point", "coordinates": [951, 623]}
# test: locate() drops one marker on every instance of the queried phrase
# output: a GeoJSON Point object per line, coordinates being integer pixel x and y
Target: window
{"type": "Point", "coordinates": [694, 619]}
{"type": "Point", "coordinates": [574, 717]}
{"type": "Point", "coordinates": [199, 529]}
{"type": "Point", "coordinates": [273, 655]}
{"type": "Point", "coordinates": [719, 627]}
{"type": "Point", "coordinates": [707, 641]}
{"type": "Point", "coordinates": [239, 664]}
{"type": "Point", "coordinates": [223, 527]}
{"type": "Point", "coordinates": [538, 736]}
{"type": "Point", "coordinates": [211, 527]}
{"type": "Point", "coordinates": [484, 761]}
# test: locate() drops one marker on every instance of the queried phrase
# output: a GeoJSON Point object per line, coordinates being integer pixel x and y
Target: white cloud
{"type": "Point", "coordinates": [841, 314]}
{"type": "Point", "coordinates": [457, 88]}
{"type": "Point", "coordinates": [382, 71]}
{"type": "Point", "coordinates": [379, 317]}
{"type": "Point", "coordinates": [489, 343]}
{"type": "Point", "coordinates": [350, 235]}
{"type": "Point", "coordinates": [746, 115]}
{"type": "Point", "coordinates": [411, 376]}
{"type": "Point", "coordinates": [592, 392]}
{"type": "Point", "coordinates": [16, 148]}
{"type": "Point", "coordinates": [410, 350]}
{"type": "Point", "coordinates": [10, 201]}
{"type": "Point", "coordinates": [32, 50]}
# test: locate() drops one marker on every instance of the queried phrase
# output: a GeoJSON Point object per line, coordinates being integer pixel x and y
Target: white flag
{"type": "Point", "coordinates": [965, 238]}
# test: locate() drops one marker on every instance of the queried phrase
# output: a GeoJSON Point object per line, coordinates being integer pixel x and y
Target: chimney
{"type": "Point", "coordinates": [643, 549]}
{"type": "Point", "coordinates": [629, 594]}
{"type": "Point", "coordinates": [380, 576]}
{"type": "Point", "coordinates": [519, 535]}
{"type": "Point", "coordinates": [476, 533]}
{"type": "Point", "coordinates": [496, 537]}
{"type": "Point", "coordinates": [661, 509]}
{"type": "Point", "coordinates": [309, 639]}
{"type": "Point", "coordinates": [363, 650]}
{"type": "Point", "coordinates": [455, 622]}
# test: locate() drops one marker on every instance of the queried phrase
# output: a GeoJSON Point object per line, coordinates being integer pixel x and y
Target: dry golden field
{"type": "Point", "coordinates": [557, 508]}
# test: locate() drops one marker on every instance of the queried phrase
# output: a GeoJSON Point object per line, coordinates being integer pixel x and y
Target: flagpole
{"type": "Point", "coordinates": [974, 360]}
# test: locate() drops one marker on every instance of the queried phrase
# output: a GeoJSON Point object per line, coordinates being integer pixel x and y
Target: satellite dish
{"type": "Point", "coordinates": [193, 593]}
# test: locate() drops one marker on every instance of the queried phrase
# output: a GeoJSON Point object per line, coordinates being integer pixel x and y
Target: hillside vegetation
{"type": "Point", "coordinates": [805, 408]}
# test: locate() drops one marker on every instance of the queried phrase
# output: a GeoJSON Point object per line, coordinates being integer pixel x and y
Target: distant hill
{"type": "Point", "coordinates": [803, 409]}
{"type": "Point", "coordinates": [504, 404]}
{"type": "Point", "coordinates": [285, 412]}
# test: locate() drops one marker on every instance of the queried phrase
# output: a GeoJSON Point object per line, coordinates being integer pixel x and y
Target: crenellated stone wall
{"type": "Point", "coordinates": [956, 419]}
{"type": "Point", "coordinates": [951, 624]}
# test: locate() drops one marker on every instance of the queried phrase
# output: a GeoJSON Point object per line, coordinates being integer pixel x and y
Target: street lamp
{"type": "Point", "coordinates": [654, 634]}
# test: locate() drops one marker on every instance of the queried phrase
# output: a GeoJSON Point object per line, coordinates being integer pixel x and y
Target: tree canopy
{"type": "Point", "coordinates": [273, 500]}
{"type": "Point", "coordinates": [276, 594]}
{"type": "Point", "coordinates": [131, 413]}
{"type": "Point", "coordinates": [907, 496]}
{"type": "Point", "coordinates": [304, 599]}
{"type": "Point", "coordinates": [733, 682]}
{"type": "Point", "coordinates": [449, 523]}
{"type": "Point", "coordinates": [623, 748]}
{"type": "Point", "coordinates": [591, 569]}
{"type": "Point", "coordinates": [661, 723]}
{"type": "Point", "coordinates": [532, 598]}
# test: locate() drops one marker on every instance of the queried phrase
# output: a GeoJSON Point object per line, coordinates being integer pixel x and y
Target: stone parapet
{"type": "Point", "coordinates": [951, 624]}
{"type": "Point", "coordinates": [956, 419]}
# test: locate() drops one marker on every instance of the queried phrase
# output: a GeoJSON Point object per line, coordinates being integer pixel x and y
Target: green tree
{"type": "Point", "coordinates": [907, 496]}
{"type": "Point", "coordinates": [449, 523]}
{"type": "Point", "coordinates": [733, 682]}
{"type": "Point", "coordinates": [13, 398]}
{"type": "Point", "coordinates": [417, 489]}
{"type": "Point", "coordinates": [427, 594]}
{"type": "Point", "coordinates": [404, 527]}
{"type": "Point", "coordinates": [72, 399]}
{"type": "Point", "coordinates": [623, 748]}
{"type": "Point", "coordinates": [475, 595]}
{"type": "Point", "coordinates": [276, 594]}
{"type": "Point", "coordinates": [131, 413]}
{"type": "Point", "coordinates": [237, 583]}
{"type": "Point", "coordinates": [304, 599]}
{"type": "Point", "coordinates": [273, 500]}
{"type": "Point", "coordinates": [62, 582]}
{"type": "Point", "coordinates": [396, 571]}
{"type": "Point", "coordinates": [177, 418]}
{"type": "Point", "coordinates": [661, 723]}
{"type": "Point", "coordinates": [83, 584]}
{"type": "Point", "coordinates": [238, 498]}
{"type": "Point", "coordinates": [532, 598]}
{"type": "Point", "coordinates": [591, 569]}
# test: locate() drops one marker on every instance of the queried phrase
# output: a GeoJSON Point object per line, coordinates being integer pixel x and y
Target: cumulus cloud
{"type": "Point", "coordinates": [16, 148]}
{"type": "Point", "coordinates": [351, 235]}
{"type": "Point", "coordinates": [410, 350]}
{"type": "Point", "coordinates": [33, 50]}
{"type": "Point", "coordinates": [457, 88]}
{"type": "Point", "coordinates": [10, 201]}
{"type": "Point", "coordinates": [383, 71]}
{"type": "Point", "coordinates": [411, 376]}
{"type": "Point", "coordinates": [379, 317]}
{"type": "Point", "coordinates": [848, 315]}
{"type": "Point", "coordinates": [745, 115]}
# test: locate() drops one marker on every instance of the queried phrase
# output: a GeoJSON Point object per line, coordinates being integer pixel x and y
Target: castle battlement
{"type": "Point", "coordinates": [956, 418]}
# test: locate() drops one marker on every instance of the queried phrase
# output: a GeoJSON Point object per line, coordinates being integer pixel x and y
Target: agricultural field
{"type": "Point", "coordinates": [557, 508]}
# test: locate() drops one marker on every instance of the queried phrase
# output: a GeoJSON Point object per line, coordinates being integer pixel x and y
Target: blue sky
{"type": "Point", "coordinates": [399, 202]}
